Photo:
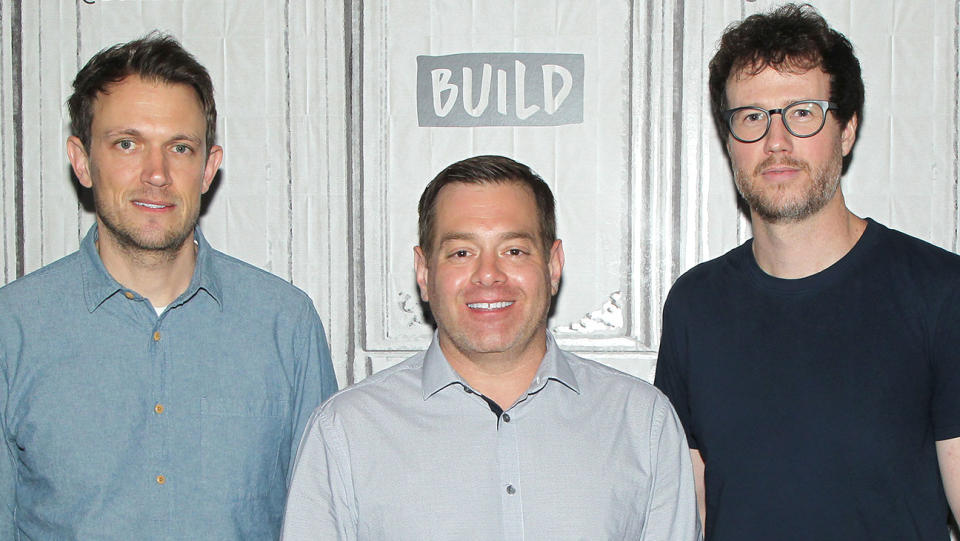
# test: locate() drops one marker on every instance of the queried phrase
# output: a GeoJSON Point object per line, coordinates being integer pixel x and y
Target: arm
{"type": "Point", "coordinates": [321, 493]}
{"type": "Point", "coordinates": [672, 503]}
{"type": "Point", "coordinates": [948, 455]}
{"type": "Point", "coordinates": [671, 378]}
{"type": "Point", "coordinates": [698, 470]}
{"type": "Point", "coordinates": [315, 379]}
{"type": "Point", "coordinates": [946, 398]}
{"type": "Point", "coordinates": [8, 466]}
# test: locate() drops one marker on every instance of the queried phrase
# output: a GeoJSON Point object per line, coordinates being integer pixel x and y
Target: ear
{"type": "Point", "coordinates": [423, 273]}
{"type": "Point", "coordinates": [849, 135]}
{"type": "Point", "coordinates": [79, 160]}
{"type": "Point", "coordinates": [556, 266]}
{"type": "Point", "coordinates": [214, 157]}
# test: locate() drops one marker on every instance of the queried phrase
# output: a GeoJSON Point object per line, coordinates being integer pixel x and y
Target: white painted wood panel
{"type": "Point", "coordinates": [324, 159]}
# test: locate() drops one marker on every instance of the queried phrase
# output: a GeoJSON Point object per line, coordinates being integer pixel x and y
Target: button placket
{"type": "Point", "coordinates": [508, 460]}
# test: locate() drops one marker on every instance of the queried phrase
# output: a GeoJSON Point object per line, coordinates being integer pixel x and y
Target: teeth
{"type": "Point", "coordinates": [489, 305]}
{"type": "Point", "coordinates": [149, 205]}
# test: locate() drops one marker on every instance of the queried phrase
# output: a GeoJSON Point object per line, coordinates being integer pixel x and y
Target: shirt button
{"type": "Point", "coordinates": [506, 417]}
{"type": "Point", "coordinates": [510, 490]}
{"type": "Point", "coordinates": [161, 479]}
{"type": "Point", "coordinates": [468, 390]}
{"type": "Point", "coordinates": [158, 408]}
{"type": "Point", "coordinates": [156, 336]}
{"type": "Point", "coordinates": [128, 295]}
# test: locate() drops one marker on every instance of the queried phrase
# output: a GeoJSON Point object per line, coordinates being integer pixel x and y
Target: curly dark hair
{"type": "Point", "coordinates": [154, 57]}
{"type": "Point", "coordinates": [485, 170]}
{"type": "Point", "coordinates": [790, 38]}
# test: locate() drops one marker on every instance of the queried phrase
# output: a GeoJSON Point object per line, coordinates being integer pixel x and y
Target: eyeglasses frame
{"type": "Point", "coordinates": [825, 105]}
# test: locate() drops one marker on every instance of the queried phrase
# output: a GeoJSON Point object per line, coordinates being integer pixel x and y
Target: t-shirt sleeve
{"type": "Point", "coordinates": [671, 373]}
{"type": "Point", "coordinates": [946, 366]}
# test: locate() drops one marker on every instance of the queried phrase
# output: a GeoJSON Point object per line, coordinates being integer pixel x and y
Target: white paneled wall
{"type": "Point", "coordinates": [325, 160]}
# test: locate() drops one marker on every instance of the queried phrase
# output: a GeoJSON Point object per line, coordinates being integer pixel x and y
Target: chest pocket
{"type": "Point", "coordinates": [240, 447]}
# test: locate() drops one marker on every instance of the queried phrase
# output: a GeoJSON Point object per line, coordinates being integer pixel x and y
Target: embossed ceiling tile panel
{"type": "Point", "coordinates": [246, 211]}
{"type": "Point", "coordinates": [48, 231]}
{"type": "Point", "coordinates": [248, 214]}
{"type": "Point", "coordinates": [586, 162]}
{"type": "Point", "coordinates": [906, 148]}
{"type": "Point", "coordinates": [725, 226]}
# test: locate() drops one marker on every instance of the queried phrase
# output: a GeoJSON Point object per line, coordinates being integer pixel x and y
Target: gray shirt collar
{"type": "Point", "coordinates": [438, 374]}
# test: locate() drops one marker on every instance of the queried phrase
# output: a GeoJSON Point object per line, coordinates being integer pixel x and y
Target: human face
{"type": "Point", "coordinates": [785, 178]}
{"type": "Point", "coordinates": [488, 280]}
{"type": "Point", "coordinates": [146, 163]}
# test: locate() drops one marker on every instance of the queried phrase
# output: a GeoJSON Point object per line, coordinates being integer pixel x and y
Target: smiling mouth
{"type": "Point", "coordinates": [489, 305]}
{"type": "Point", "coordinates": [150, 205]}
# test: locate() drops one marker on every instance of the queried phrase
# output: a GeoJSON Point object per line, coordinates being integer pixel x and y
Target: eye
{"type": "Point", "coordinates": [125, 144]}
{"type": "Point", "coordinates": [460, 253]}
{"type": "Point", "coordinates": [182, 148]}
{"type": "Point", "coordinates": [755, 117]}
{"type": "Point", "coordinates": [515, 252]}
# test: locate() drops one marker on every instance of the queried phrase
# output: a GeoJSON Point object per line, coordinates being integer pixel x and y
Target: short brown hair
{"type": "Point", "coordinates": [790, 37]}
{"type": "Point", "coordinates": [154, 57]}
{"type": "Point", "coordinates": [483, 170]}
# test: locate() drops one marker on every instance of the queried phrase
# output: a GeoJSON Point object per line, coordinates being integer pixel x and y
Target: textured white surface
{"type": "Point", "coordinates": [324, 160]}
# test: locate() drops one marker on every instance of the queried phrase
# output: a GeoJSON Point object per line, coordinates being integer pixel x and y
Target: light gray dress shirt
{"type": "Point", "coordinates": [413, 453]}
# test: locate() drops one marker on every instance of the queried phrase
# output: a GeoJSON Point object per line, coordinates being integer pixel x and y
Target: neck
{"type": "Point", "coordinates": [502, 376]}
{"type": "Point", "coordinates": [806, 247]}
{"type": "Point", "coordinates": [159, 275]}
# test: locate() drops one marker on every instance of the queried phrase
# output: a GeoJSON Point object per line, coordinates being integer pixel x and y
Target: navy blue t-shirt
{"type": "Point", "coordinates": [816, 402]}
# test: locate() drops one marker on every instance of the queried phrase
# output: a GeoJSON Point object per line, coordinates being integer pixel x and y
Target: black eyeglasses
{"type": "Point", "coordinates": [803, 118]}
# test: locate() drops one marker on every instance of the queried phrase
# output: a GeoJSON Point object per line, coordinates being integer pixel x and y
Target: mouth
{"type": "Point", "coordinates": [489, 305]}
{"type": "Point", "coordinates": [151, 206]}
{"type": "Point", "coordinates": [775, 170]}
{"type": "Point", "coordinates": [782, 166]}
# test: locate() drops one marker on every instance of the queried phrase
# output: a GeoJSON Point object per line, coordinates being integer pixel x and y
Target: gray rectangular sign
{"type": "Point", "coordinates": [500, 89]}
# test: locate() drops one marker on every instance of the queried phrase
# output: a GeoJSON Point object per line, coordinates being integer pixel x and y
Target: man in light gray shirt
{"type": "Point", "coordinates": [493, 432]}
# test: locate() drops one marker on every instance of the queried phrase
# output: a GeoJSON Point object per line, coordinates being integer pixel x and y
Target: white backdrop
{"type": "Point", "coordinates": [324, 157]}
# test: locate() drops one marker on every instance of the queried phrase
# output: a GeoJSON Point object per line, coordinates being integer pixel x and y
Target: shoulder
{"type": "Point", "coordinates": [916, 254]}
{"type": "Point", "coordinates": [710, 282]}
{"type": "Point", "coordinates": [390, 389]}
{"type": "Point", "coordinates": [613, 386]}
{"type": "Point", "coordinates": [48, 281]}
{"type": "Point", "coordinates": [241, 280]}
{"type": "Point", "coordinates": [711, 272]}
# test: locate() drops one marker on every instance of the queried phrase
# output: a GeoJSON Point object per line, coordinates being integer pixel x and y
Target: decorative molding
{"type": "Point", "coordinates": [609, 317]}
{"type": "Point", "coordinates": [410, 308]}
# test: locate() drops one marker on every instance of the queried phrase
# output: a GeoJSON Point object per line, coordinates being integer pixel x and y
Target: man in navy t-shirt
{"type": "Point", "coordinates": [815, 368]}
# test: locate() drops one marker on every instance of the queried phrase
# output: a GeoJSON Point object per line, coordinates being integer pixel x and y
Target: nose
{"type": "Point", "coordinates": [488, 271]}
{"type": "Point", "coordinates": [154, 171]}
{"type": "Point", "coordinates": [778, 139]}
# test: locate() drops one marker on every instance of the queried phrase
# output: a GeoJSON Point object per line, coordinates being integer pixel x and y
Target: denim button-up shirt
{"type": "Point", "coordinates": [122, 424]}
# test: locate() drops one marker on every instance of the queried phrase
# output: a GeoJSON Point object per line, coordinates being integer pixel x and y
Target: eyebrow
{"type": "Point", "coordinates": [136, 133]}
{"type": "Point", "coordinates": [509, 235]}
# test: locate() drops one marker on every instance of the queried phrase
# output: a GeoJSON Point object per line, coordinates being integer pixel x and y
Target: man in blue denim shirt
{"type": "Point", "coordinates": [153, 387]}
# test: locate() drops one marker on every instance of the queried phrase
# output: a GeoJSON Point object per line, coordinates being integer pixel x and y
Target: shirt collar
{"type": "Point", "coordinates": [98, 285]}
{"type": "Point", "coordinates": [438, 374]}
